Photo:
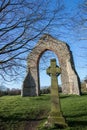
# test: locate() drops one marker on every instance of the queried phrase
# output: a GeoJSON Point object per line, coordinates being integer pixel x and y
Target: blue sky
{"type": "Point", "coordinates": [77, 46]}
{"type": "Point", "coordinates": [72, 38]}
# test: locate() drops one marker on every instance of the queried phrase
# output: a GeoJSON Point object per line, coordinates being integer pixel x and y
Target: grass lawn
{"type": "Point", "coordinates": [15, 111]}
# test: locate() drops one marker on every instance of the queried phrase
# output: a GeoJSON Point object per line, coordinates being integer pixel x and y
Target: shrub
{"type": "Point", "coordinates": [83, 87]}
{"type": "Point", "coordinates": [14, 92]}
{"type": "Point", "coordinates": [10, 92]}
{"type": "Point", "coordinates": [45, 90]}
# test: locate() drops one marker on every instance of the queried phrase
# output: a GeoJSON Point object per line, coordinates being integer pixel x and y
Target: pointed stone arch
{"type": "Point", "coordinates": [69, 77]}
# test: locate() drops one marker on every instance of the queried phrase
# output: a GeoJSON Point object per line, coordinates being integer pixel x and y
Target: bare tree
{"type": "Point", "coordinates": [82, 25]}
{"type": "Point", "coordinates": [79, 26]}
{"type": "Point", "coordinates": [83, 21]}
{"type": "Point", "coordinates": [21, 24]}
{"type": "Point", "coordinates": [79, 20]}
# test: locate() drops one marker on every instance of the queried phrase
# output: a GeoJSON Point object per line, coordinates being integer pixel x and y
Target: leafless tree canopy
{"type": "Point", "coordinates": [83, 15]}
{"type": "Point", "coordinates": [80, 20]}
{"type": "Point", "coordinates": [82, 25]}
{"type": "Point", "coordinates": [21, 23]}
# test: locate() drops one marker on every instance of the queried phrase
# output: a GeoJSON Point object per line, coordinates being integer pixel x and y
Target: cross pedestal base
{"type": "Point", "coordinates": [55, 121]}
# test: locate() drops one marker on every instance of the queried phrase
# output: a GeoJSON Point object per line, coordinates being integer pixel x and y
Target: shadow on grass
{"type": "Point", "coordinates": [64, 96]}
{"type": "Point", "coordinates": [77, 115]}
{"type": "Point", "coordinates": [11, 118]}
{"type": "Point", "coordinates": [71, 95]}
{"type": "Point", "coordinates": [84, 93]}
{"type": "Point", "coordinates": [73, 120]}
{"type": "Point", "coordinates": [77, 123]}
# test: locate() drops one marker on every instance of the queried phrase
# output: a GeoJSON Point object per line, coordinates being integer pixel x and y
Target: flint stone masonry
{"type": "Point", "coordinates": [69, 77]}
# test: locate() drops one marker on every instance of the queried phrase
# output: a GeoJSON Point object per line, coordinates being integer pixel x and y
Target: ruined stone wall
{"type": "Point", "coordinates": [70, 83]}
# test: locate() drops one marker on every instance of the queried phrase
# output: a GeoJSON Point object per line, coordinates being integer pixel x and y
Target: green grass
{"type": "Point", "coordinates": [15, 110]}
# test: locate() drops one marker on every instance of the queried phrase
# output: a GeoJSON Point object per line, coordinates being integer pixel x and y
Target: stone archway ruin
{"type": "Point", "coordinates": [69, 77]}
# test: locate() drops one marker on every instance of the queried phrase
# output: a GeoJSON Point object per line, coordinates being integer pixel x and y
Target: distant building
{"type": "Point", "coordinates": [85, 82]}
{"type": "Point", "coordinates": [84, 85]}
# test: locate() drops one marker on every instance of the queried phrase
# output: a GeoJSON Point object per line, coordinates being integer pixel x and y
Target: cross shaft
{"type": "Point", "coordinates": [55, 116]}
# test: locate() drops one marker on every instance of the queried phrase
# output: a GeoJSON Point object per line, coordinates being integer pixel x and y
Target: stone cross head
{"type": "Point", "coordinates": [53, 70]}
